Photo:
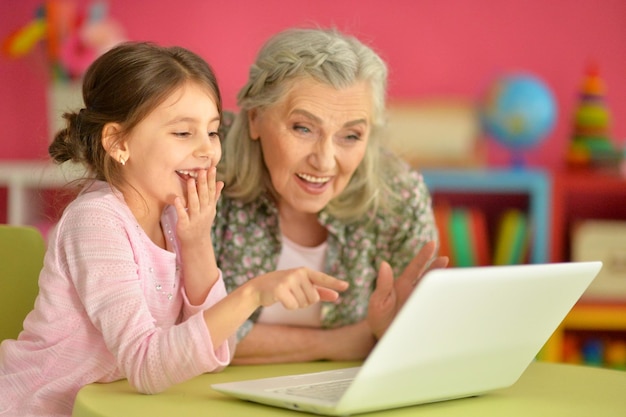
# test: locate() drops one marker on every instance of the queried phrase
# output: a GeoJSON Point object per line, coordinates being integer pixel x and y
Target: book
{"type": "Point", "coordinates": [511, 243]}
{"type": "Point", "coordinates": [462, 244]}
{"type": "Point", "coordinates": [463, 235]}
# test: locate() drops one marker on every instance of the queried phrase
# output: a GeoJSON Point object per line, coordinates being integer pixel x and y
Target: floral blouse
{"type": "Point", "coordinates": [247, 241]}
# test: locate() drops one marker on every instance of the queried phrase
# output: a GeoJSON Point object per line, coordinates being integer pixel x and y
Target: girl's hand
{"type": "Point", "coordinates": [195, 220]}
{"type": "Point", "coordinates": [296, 288]}
{"type": "Point", "coordinates": [389, 295]}
{"type": "Point", "coordinates": [193, 230]}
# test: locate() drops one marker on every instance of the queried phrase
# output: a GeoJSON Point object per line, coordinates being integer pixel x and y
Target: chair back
{"type": "Point", "coordinates": [22, 249]}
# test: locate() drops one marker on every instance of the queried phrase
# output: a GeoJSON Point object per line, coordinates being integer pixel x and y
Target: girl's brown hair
{"type": "Point", "coordinates": [123, 86]}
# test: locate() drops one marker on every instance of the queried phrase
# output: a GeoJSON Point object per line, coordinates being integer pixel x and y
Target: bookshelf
{"type": "Point", "coordinates": [594, 332]}
{"type": "Point", "coordinates": [591, 334]}
{"type": "Point", "coordinates": [501, 186]}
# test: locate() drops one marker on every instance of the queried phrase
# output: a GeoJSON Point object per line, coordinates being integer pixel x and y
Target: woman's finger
{"type": "Point", "coordinates": [416, 268]}
{"type": "Point", "coordinates": [384, 282]}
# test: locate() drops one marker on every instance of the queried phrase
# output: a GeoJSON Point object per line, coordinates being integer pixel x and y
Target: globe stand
{"type": "Point", "coordinates": [518, 162]}
{"type": "Point", "coordinates": [518, 111]}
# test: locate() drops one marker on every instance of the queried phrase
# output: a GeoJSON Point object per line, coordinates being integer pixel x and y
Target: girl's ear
{"type": "Point", "coordinates": [253, 123]}
{"type": "Point", "coordinates": [112, 144]}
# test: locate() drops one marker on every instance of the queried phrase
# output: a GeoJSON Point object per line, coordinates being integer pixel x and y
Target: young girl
{"type": "Point", "coordinates": [130, 287]}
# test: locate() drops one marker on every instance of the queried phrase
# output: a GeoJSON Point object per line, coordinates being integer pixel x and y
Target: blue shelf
{"type": "Point", "coordinates": [535, 183]}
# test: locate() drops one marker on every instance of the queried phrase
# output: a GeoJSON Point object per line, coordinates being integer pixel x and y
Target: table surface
{"type": "Point", "coordinates": [545, 389]}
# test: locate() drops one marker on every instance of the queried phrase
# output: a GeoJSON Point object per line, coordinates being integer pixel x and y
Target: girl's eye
{"type": "Point", "coordinates": [182, 134]}
{"type": "Point", "coordinates": [214, 135]}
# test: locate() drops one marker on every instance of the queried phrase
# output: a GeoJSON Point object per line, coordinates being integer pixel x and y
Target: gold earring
{"type": "Point", "coordinates": [122, 160]}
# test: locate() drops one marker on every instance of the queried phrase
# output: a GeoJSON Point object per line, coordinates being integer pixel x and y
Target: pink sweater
{"type": "Point", "coordinates": [111, 305]}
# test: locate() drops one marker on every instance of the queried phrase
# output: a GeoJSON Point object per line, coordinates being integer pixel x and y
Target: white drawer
{"type": "Point", "coordinates": [603, 240]}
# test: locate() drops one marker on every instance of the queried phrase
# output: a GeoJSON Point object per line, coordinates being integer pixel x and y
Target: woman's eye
{"type": "Point", "coordinates": [352, 136]}
{"type": "Point", "coordinates": [301, 129]}
{"type": "Point", "coordinates": [214, 134]}
{"type": "Point", "coordinates": [182, 134]}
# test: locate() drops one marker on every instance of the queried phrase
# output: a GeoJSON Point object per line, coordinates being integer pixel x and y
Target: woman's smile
{"type": "Point", "coordinates": [314, 183]}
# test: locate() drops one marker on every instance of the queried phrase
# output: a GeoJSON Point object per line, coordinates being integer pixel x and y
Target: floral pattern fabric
{"type": "Point", "coordinates": [248, 243]}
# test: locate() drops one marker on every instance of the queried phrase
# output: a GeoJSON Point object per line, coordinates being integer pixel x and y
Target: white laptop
{"type": "Point", "coordinates": [463, 332]}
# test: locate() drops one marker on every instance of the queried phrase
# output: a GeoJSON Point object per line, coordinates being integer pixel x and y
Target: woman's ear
{"type": "Point", "coordinates": [253, 123]}
{"type": "Point", "coordinates": [112, 144]}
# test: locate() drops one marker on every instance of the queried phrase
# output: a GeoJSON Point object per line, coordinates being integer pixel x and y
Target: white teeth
{"type": "Point", "coordinates": [310, 178]}
{"type": "Point", "coordinates": [193, 174]}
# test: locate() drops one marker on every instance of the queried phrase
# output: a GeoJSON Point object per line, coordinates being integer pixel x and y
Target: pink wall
{"type": "Point", "coordinates": [433, 47]}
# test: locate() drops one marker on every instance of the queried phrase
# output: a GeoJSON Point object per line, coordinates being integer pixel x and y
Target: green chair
{"type": "Point", "coordinates": [22, 250]}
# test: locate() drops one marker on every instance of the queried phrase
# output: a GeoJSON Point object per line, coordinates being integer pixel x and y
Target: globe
{"type": "Point", "coordinates": [518, 110]}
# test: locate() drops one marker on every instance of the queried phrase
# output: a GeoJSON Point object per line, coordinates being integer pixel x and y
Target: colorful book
{"type": "Point", "coordinates": [462, 243]}
{"type": "Point", "coordinates": [480, 237]}
{"type": "Point", "coordinates": [511, 244]}
{"type": "Point", "coordinates": [463, 235]}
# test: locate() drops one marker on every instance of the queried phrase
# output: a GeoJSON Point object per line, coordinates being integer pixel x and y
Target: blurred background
{"type": "Point", "coordinates": [434, 48]}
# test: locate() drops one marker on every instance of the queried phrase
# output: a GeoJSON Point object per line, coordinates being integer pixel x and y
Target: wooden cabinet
{"type": "Point", "coordinates": [579, 195]}
{"type": "Point", "coordinates": [592, 334]}
{"type": "Point", "coordinates": [595, 331]}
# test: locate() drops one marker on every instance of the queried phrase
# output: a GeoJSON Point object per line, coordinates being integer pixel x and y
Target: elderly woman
{"type": "Point", "coordinates": [309, 183]}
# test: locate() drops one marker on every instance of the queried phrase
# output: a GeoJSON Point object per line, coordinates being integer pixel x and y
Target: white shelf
{"type": "Point", "coordinates": [23, 181]}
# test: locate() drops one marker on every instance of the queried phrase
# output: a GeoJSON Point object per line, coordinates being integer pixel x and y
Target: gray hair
{"type": "Point", "coordinates": [328, 57]}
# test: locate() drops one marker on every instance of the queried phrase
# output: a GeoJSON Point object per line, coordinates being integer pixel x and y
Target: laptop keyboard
{"type": "Point", "coordinates": [327, 391]}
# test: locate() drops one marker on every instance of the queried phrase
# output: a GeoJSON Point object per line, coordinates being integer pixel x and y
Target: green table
{"type": "Point", "coordinates": [545, 389]}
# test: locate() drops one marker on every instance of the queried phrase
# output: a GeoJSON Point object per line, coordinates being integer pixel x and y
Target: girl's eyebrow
{"type": "Point", "coordinates": [190, 120]}
{"type": "Point", "coordinates": [180, 120]}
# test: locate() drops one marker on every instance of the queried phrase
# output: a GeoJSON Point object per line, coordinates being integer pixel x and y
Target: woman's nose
{"type": "Point", "coordinates": [323, 155]}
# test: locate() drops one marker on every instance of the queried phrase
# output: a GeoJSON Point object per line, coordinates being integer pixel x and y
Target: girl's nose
{"type": "Point", "coordinates": [205, 149]}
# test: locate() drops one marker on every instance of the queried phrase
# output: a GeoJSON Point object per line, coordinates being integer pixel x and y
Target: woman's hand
{"type": "Point", "coordinates": [389, 295]}
{"type": "Point", "coordinates": [277, 343]}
